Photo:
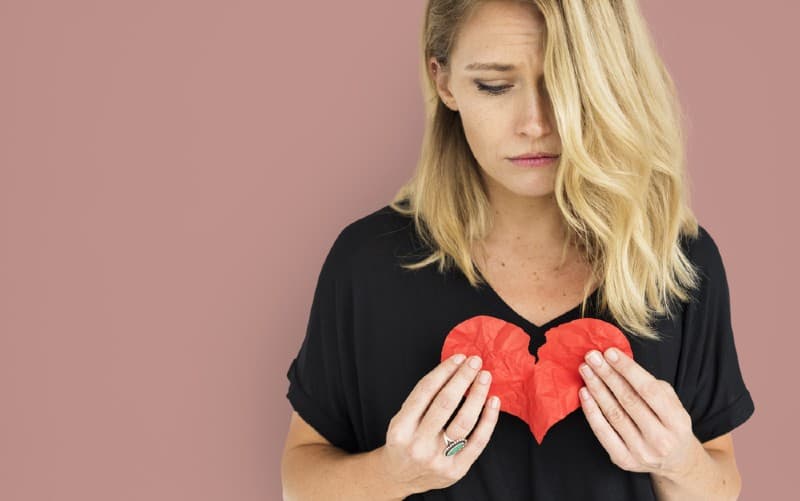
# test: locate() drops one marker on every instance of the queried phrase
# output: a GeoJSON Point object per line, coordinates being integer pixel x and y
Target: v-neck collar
{"type": "Point", "coordinates": [529, 326]}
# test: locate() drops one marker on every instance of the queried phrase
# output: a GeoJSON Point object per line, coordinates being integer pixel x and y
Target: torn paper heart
{"type": "Point", "coordinates": [539, 390]}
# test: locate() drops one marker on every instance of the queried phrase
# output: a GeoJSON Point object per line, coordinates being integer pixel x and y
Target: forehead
{"type": "Point", "coordinates": [500, 30]}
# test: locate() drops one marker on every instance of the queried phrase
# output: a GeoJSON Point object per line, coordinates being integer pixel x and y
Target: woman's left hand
{"type": "Point", "coordinates": [638, 419]}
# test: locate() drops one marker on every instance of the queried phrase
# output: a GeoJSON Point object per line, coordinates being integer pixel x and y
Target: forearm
{"type": "Point", "coordinates": [322, 472]}
{"type": "Point", "coordinates": [714, 476]}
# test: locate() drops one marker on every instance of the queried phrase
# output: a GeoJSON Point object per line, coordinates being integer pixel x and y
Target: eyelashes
{"type": "Point", "coordinates": [492, 90]}
{"type": "Point", "coordinates": [495, 91]}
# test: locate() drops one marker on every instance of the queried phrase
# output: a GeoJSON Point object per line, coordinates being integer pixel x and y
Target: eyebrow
{"type": "Point", "coordinates": [490, 67]}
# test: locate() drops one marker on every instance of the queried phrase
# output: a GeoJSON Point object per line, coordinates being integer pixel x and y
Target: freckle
{"type": "Point", "coordinates": [502, 264]}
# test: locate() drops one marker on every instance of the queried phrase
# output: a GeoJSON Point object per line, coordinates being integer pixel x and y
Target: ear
{"type": "Point", "coordinates": [441, 78]}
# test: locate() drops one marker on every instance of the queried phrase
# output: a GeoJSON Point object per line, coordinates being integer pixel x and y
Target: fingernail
{"type": "Point", "coordinates": [459, 358]}
{"type": "Point", "coordinates": [475, 362]}
{"type": "Point", "coordinates": [611, 354]}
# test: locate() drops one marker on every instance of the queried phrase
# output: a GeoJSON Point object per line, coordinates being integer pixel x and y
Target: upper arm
{"type": "Point", "coordinates": [302, 433]}
{"type": "Point", "coordinates": [722, 449]}
{"type": "Point", "coordinates": [722, 443]}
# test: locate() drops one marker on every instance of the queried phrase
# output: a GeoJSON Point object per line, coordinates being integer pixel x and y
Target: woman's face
{"type": "Point", "coordinates": [515, 116]}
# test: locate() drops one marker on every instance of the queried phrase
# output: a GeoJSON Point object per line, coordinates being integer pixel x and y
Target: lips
{"type": "Point", "coordinates": [524, 157]}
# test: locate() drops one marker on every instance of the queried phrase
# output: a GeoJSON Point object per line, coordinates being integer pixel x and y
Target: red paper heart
{"type": "Point", "coordinates": [540, 392]}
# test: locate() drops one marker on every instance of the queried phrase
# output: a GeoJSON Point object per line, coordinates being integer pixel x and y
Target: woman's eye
{"type": "Point", "coordinates": [494, 91]}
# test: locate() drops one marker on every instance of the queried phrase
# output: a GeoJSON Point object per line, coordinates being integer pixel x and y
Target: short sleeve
{"type": "Point", "coordinates": [316, 375]}
{"type": "Point", "coordinates": [711, 385]}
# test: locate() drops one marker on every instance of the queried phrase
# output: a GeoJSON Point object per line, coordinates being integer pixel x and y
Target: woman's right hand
{"type": "Point", "coordinates": [414, 449]}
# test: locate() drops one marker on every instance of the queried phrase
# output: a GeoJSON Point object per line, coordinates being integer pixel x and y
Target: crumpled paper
{"type": "Point", "coordinates": [541, 390]}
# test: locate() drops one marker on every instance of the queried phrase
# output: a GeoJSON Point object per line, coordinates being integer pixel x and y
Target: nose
{"type": "Point", "coordinates": [535, 115]}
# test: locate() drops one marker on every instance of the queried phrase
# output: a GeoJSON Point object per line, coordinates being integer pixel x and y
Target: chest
{"type": "Point", "coordinates": [538, 290]}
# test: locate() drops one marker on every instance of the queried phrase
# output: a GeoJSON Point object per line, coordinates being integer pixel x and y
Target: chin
{"type": "Point", "coordinates": [530, 191]}
{"type": "Point", "coordinates": [532, 188]}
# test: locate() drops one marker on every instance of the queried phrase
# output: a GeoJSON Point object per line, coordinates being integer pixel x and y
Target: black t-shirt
{"type": "Point", "coordinates": [375, 329]}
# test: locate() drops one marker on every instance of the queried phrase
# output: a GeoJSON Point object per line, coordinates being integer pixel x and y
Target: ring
{"type": "Point", "coordinates": [453, 446]}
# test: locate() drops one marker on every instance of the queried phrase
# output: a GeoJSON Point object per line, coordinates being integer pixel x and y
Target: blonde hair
{"type": "Point", "coordinates": [621, 184]}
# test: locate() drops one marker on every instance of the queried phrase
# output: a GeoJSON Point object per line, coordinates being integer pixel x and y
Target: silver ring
{"type": "Point", "coordinates": [453, 446]}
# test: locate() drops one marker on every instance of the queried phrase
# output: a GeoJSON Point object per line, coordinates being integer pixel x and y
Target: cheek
{"type": "Point", "coordinates": [484, 133]}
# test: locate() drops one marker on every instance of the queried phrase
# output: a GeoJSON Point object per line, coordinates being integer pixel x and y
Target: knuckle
{"type": "Point", "coordinates": [614, 459]}
{"type": "Point", "coordinates": [418, 452]}
{"type": "Point", "coordinates": [426, 386]}
{"type": "Point", "coordinates": [463, 465]}
{"type": "Point", "coordinates": [458, 428]}
{"type": "Point", "coordinates": [479, 388]}
{"type": "Point", "coordinates": [651, 461]}
{"type": "Point", "coordinates": [629, 399]}
{"type": "Point", "coordinates": [395, 436]}
{"type": "Point", "coordinates": [433, 463]}
{"type": "Point", "coordinates": [452, 473]}
{"type": "Point", "coordinates": [666, 387]}
{"type": "Point", "coordinates": [663, 445]}
{"type": "Point", "coordinates": [438, 467]}
{"type": "Point", "coordinates": [615, 415]}
{"type": "Point", "coordinates": [479, 441]}
{"type": "Point", "coordinates": [626, 463]}
{"type": "Point", "coordinates": [686, 421]}
{"type": "Point", "coordinates": [635, 467]}
{"type": "Point", "coordinates": [392, 435]}
{"type": "Point", "coordinates": [466, 376]}
{"type": "Point", "coordinates": [653, 388]}
{"type": "Point", "coordinates": [415, 400]}
{"type": "Point", "coordinates": [445, 400]}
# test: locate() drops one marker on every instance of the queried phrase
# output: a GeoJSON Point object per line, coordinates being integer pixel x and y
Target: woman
{"type": "Point", "coordinates": [600, 228]}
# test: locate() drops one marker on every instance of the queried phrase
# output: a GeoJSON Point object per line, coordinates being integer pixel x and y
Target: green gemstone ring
{"type": "Point", "coordinates": [453, 446]}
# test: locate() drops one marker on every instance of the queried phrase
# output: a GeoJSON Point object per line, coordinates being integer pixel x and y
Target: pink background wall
{"type": "Point", "coordinates": [172, 174]}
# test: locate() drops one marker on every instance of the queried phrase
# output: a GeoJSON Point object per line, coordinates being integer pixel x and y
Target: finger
{"type": "Point", "coordinates": [479, 438]}
{"type": "Point", "coordinates": [614, 414]}
{"type": "Point", "coordinates": [467, 416]}
{"type": "Point", "coordinates": [448, 398]}
{"type": "Point", "coordinates": [420, 397]}
{"type": "Point", "coordinates": [627, 396]}
{"type": "Point", "coordinates": [602, 429]}
{"type": "Point", "coordinates": [646, 385]}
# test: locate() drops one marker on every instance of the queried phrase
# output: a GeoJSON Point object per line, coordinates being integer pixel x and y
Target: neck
{"type": "Point", "coordinates": [532, 226]}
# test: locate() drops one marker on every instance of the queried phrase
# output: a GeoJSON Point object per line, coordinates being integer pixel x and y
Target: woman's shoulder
{"type": "Point", "coordinates": [378, 234]}
{"type": "Point", "coordinates": [378, 224]}
{"type": "Point", "coordinates": [702, 250]}
{"type": "Point", "coordinates": [706, 258]}
{"type": "Point", "coordinates": [373, 228]}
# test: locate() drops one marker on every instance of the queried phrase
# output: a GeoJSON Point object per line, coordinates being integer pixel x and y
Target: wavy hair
{"type": "Point", "coordinates": [621, 184]}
